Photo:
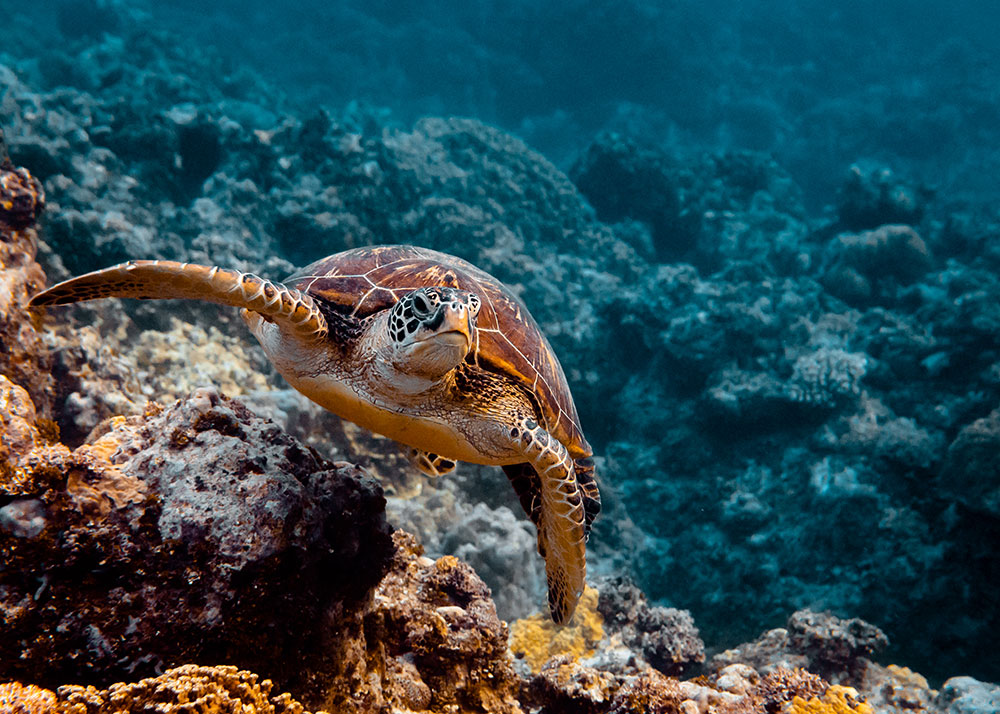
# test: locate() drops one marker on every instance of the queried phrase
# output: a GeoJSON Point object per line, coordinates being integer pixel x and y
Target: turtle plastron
{"type": "Point", "coordinates": [561, 534]}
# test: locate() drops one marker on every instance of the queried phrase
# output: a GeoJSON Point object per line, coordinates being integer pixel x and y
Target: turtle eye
{"type": "Point", "coordinates": [420, 305]}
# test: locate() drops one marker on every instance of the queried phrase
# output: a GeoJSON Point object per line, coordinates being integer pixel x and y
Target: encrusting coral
{"type": "Point", "coordinates": [434, 638]}
{"type": "Point", "coordinates": [837, 700]}
{"type": "Point", "coordinates": [537, 639]}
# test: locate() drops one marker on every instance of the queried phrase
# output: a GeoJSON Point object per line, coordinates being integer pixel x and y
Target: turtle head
{"type": "Point", "coordinates": [432, 330]}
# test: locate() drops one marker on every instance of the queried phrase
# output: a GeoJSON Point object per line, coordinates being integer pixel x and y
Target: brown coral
{"type": "Point", "coordinates": [666, 637]}
{"type": "Point", "coordinates": [21, 197]}
{"type": "Point", "coordinates": [24, 357]}
{"type": "Point", "coordinates": [650, 693]}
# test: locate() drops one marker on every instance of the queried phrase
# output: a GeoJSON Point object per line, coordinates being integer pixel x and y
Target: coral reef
{"type": "Point", "coordinates": [21, 197]}
{"type": "Point", "coordinates": [792, 389]}
{"type": "Point", "coordinates": [872, 196]}
{"type": "Point", "coordinates": [870, 267]}
{"type": "Point", "coordinates": [971, 470]}
{"type": "Point", "coordinates": [435, 630]}
{"type": "Point", "coordinates": [966, 695]}
{"type": "Point", "coordinates": [22, 357]}
{"type": "Point", "coordinates": [895, 690]}
{"type": "Point", "coordinates": [623, 181]}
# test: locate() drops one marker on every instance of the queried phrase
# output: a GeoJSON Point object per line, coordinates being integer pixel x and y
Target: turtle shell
{"type": "Point", "coordinates": [363, 281]}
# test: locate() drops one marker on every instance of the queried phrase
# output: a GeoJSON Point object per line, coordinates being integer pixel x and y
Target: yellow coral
{"type": "Point", "coordinates": [837, 700]}
{"type": "Point", "coordinates": [538, 639]}
{"type": "Point", "coordinates": [906, 689]}
{"type": "Point", "coordinates": [905, 676]}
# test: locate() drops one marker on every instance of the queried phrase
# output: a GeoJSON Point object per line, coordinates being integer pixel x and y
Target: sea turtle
{"type": "Point", "coordinates": [424, 348]}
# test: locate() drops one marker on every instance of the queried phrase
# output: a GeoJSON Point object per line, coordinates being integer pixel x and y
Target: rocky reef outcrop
{"type": "Point", "coordinates": [157, 524]}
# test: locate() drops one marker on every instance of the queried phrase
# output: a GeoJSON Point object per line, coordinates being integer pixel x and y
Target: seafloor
{"type": "Point", "coordinates": [789, 369]}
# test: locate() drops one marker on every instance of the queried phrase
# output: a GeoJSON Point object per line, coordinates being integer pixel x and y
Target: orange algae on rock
{"type": "Point", "coordinates": [24, 358]}
{"type": "Point", "coordinates": [537, 639]}
{"type": "Point", "coordinates": [17, 698]}
{"type": "Point", "coordinates": [837, 700]}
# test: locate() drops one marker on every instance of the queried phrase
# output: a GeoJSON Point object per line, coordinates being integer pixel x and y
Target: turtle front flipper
{"type": "Point", "coordinates": [295, 311]}
{"type": "Point", "coordinates": [559, 517]}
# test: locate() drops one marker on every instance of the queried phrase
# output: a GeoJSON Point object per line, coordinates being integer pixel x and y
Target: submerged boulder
{"type": "Point", "coordinates": [197, 532]}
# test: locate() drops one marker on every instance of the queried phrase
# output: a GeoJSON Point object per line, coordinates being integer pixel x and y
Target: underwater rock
{"type": "Point", "coordinates": [496, 542]}
{"type": "Point", "coordinates": [971, 470]}
{"type": "Point", "coordinates": [834, 648]}
{"type": "Point", "coordinates": [153, 532]}
{"type": "Point", "coordinates": [666, 637]}
{"type": "Point", "coordinates": [966, 695]}
{"type": "Point", "coordinates": [897, 690]}
{"type": "Point", "coordinates": [565, 686]}
{"type": "Point", "coordinates": [23, 356]}
{"type": "Point", "coordinates": [433, 640]}
{"type": "Point", "coordinates": [21, 197]}
{"type": "Point", "coordinates": [871, 266]}
{"type": "Point", "coordinates": [623, 181]}
{"type": "Point", "coordinates": [751, 212]}
{"type": "Point", "coordinates": [872, 196]}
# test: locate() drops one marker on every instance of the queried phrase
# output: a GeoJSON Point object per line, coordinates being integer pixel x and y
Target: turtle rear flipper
{"type": "Point", "coordinates": [295, 311]}
{"type": "Point", "coordinates": [433, 465]}
{"type": "Point", "coordinates": [526, 485]}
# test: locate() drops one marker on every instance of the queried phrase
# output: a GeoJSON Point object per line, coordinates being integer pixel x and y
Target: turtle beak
{"type": "Point", "coordinates": [453, 324]}
{"type": "Point", "coordinates": [457, 321]}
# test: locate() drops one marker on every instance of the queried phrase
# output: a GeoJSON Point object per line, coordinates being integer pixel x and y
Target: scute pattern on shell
{"type": "Point", "coordinates": [364, 281]}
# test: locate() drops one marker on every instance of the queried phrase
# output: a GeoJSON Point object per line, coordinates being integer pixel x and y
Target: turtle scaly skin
{"type": "Point", "coordinates": [421, 347]}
